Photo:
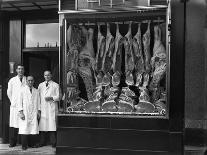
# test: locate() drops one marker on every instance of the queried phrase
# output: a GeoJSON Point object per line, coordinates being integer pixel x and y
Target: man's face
{"type": "Point", "coordinates": [20, 70]}
{"type": "Point", "coordinates": [30, 81]}
{"type": "Point", "coordinates": [47, 75]}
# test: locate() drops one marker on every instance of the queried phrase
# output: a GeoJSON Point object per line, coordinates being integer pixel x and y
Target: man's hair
{"type": "Point", "coordinates": [19, 65]}
{"type": "Point", "coordinates": [48, 71]}
{"type": "Point", "coordinates": [30, 76]}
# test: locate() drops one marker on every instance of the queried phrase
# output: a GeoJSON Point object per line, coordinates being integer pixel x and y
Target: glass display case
{"type": "Point", "coordinates": [116, 62]}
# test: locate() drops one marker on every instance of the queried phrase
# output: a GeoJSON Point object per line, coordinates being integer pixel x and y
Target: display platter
{"type": "Point", "coordinates": [114, 65]}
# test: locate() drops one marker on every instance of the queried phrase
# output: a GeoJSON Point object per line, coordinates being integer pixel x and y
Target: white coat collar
{"type": "Point", "coordinates": [23, 79]}
{"type": "Point", "coordinates": [28, 88]}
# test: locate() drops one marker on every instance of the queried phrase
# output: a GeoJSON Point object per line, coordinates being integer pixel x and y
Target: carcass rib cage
{"type": "Point", "coordinates": [116, 96]}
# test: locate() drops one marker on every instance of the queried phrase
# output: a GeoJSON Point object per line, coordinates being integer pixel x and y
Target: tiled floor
{"type": "Point", "coordinates": [46, 150]}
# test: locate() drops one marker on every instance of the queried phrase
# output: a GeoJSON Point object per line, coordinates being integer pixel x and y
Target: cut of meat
{"type": "Point", "coordinates": [144, 105]}
{"type": "Point", "coordinates": [101, 43]}
{"type": "Point", "coordinates": [109, 104]}
{"type": "Point", "coordinates": [129, 57]}
{"type": "Point", "coordinates": [117, 57]}
{"type": "Point", "coordinates": [87, 62]}
{"type": "Point", "coordinates": [108, 59]}
{"type": "Point", "coordinates": [146, 43]}
{"type": "Point", "coordinates": [138, 56]}
{"type": "Point", "coordinates": [158, 60]}
{"type": "Point", "coordinates": [125, 102]}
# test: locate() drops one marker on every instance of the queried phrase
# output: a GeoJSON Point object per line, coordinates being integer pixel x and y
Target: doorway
{"type": "Point", "coordinates": [36, 62]}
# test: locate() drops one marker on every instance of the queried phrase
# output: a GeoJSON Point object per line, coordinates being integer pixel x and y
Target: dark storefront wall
{"type": "Point", "coordinates": [4, 51]}
{"type": "Point", "coordinates": [195, 73]}
{"type": "Point", "coordinates": [11, 32]}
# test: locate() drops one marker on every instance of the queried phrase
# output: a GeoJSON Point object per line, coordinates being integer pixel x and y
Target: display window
{"type": "Point", "coordinates": [117, 64]}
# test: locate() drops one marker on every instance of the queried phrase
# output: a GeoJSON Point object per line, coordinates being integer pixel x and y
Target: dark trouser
{"type": "Point", "coordinates": [52, 135]}
{"type": "Point", "coordinates": [28, 140]}
{"type": "Point", "coordinates": [13, 133]}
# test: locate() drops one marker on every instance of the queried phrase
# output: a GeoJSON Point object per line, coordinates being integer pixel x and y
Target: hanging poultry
{"type": "Point", "coordinates": [138, 56]}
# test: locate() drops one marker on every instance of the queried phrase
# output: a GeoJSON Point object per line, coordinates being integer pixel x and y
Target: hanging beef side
{"type": "Point", "coordinates": [117, 58]}
{"type": "Point", "coordinates": [138, 56]}
{"type": "Point", "coordinates": [101, 45]}
{"type": "Point", "coordinates": [129, 57]}
{"type": "Point", "coordinates": [108, 57]}
{"type": "Point", "coordinates": [87, 61]}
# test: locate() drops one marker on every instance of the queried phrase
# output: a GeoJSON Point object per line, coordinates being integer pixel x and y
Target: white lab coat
{"type": "Point", "coordinates": [49, 109]}
{"type": "Point", "coordinates": [13, 93]}
{"type": "Point", "coordinates": [30, 104]}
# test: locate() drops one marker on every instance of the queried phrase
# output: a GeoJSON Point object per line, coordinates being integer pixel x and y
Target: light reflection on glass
{"type": "Point", "coordinates": [42, 35]}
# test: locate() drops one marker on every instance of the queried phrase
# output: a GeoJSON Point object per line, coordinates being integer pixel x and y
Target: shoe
{"type": "Point", "coordinates": [24, 148]}
{"type": "Point", "coordinates": [12, 145]}
{"type": "Point", "coordinates": [39, 145]}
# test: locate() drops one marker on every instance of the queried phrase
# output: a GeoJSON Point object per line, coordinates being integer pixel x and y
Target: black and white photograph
{"type": "Point", "coordinates": [103, 77]}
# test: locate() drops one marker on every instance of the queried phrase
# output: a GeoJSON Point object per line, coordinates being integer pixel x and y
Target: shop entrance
{"type": "Point", "coordinates": [36, 62]}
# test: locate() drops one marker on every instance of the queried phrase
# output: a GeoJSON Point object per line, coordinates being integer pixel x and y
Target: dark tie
{"type": "Point", "coordinates": [47, 84]}
{"type": "Point", "coordinates": [21, 79]}
{"type": "Point", "coordinates": [30, 90]}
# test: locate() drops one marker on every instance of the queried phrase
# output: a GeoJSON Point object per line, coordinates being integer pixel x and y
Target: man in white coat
{"type": "Point", "coordinates": [13, 92]}
{"type": "Point", "coordinates": [29, 112]}
{"type": "Point", "coordinates": [49, 97]}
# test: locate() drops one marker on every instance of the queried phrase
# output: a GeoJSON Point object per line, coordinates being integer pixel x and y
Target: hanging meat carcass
{"type": "Point", "coordinates": [147, 56]}
{"type": "Point", "coordinates": [158, 63]}
{"type": "Point", "coordinates": [145, 105]}
{"type": "Point", "coordinates": [138, 56]}
{"type": "Point", "coordinates": [111, 93]}
{"type": "Point", "coordinates": [117, 58]}
{"type": "Point", "coordinates": [101, 45]}
{"type": "Point", "coordinates": [87, 61]}
{"type": "Point", "coordinates": [108, 57]}
{"type": "Point", "coordinates": [129, 57]}
{"type": "Point", "coordinates": [75, 41]}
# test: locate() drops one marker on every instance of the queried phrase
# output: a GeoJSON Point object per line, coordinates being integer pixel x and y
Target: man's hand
{"type": "Point", "coordinates": [22, 116]}
{"type": "Point", "coordinates": [38, 115]}
{"type": "Point", "coordinates": [48, 99]}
